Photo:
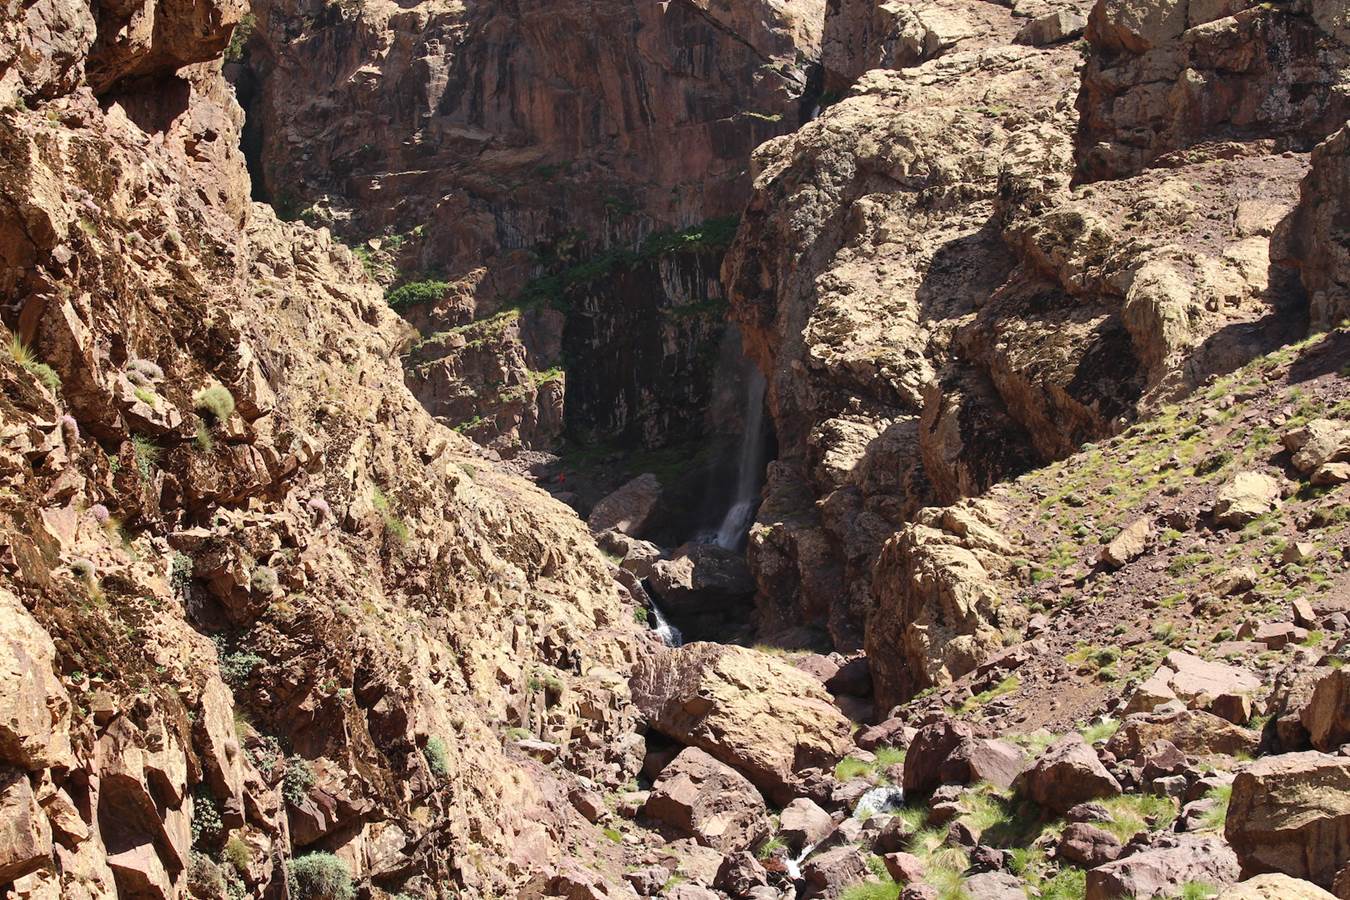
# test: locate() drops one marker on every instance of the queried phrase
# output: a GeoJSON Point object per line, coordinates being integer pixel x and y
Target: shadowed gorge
{"type": "Point", "coordinates": [690, 449]}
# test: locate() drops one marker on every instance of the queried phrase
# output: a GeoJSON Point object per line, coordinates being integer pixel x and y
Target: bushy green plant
{"type": "Point", "coordinates": [215, 401]}
{"type": "Point", "coordinates": [296, 781]}
{"type": "Point", "coordinates": [25, 358]}
{"type": "Point", "coordinates": [322, 875]}
{"type": "Point", "coordinates": [238, 854]}
{"type": "Point", "coordinates": [437, 757]}
{"type": "Point", "coordinates": [236, 667]}
{"type": "Point", "coordinates": [147, 455]}
{"type": "Point", "coordinates": [263, 580]}
{"type": "Point", "coordinates": [415, 293]}
{"type": "Point", "coordinates": [207, 825]}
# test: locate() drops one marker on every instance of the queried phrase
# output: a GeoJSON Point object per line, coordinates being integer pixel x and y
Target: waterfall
{"type": "Point", "coordinates": [741, 513]}
{"type": "Point", "coordinates": [668, 633]}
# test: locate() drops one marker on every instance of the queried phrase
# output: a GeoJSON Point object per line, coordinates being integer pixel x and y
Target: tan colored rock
{"type": "Point", "coordinates": [1317, 443]}
{"type": "Point", "coordinates": [34, 706]}
{"type": "Point", "coordinates": [25, 835]}
{"type": "Point", "coordinates": [1291, 814]}
{"type": "Point", "coordinates": [697, 796]}
{"type": "Point", "coordinates": [1129, 544]}
{"type": "Point", "coordinates": [766, 719]}
{"type": "Point", "coordinates": [803, 824]}
{"type": "Point", "coordinates": [1275, 886]}
{"type": "Point", "coordinates": [1152, 692]}
{"type": "Point", "coordinates": [629, 508]}
{"type": "Point", "coordinates": [1199, 681]}
{"type": "Point", "coordinates": [1246, 496]}
{"type": "Point", "coordinates": [1327, 713]}
{"type": "Point", "coordinates": [1193, 732]}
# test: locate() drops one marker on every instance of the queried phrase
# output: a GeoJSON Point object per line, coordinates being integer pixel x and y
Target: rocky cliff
{"type": "Point", "coordinates": [256, 604]}
{"type": "Point", "coordinates": [942, 302]}
{"type": "Point", "coordinates": [493, 153]}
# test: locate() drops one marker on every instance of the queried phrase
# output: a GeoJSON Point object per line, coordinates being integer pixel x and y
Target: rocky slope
{"type": "Point", "coordinates": [941, 302]}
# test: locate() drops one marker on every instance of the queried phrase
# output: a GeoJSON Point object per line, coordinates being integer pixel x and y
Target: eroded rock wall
{"type": "Point", "coordinates": [254, 596]}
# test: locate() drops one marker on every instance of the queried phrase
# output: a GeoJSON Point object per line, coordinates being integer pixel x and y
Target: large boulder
{"type": "Point", "coordinates": [1291, 813]}
{"type": "Point", "coordinates": [698, 797]}
{"type": "Point", "coordinates": [765, 718]}
{"type": "Point", "coordinates": [34, 706]}
{"type": "Point", "coordinates": [1199, 681]}
{"type": "Point", "coordinates": [828, 874]}
{"type": "Point", "coordinates": [25, 835]}
{"type": "Point", "coordinates": [1318, 231]}
{"type": "Point", "coordinates": [704, 587]}
{"type": "Point", "coordinates": [1327, 715]}
{"type": "Point", "coordinates": [1163, 869]}
{"type": "Point", "coordinates": [948, 752]}
{"type": "Point", "coordinates": [1275, 886]}
{"type": "Point", "coordinates": [1246, 496]}
{"type": "Point", "coordinates": [803, 824]}
{"type": "Point", "coordinates": [1193, 732]}
{"type": "Point", "coordinates": [1066, 774]}
{"type": "Point", "coordinates": [628, 509]}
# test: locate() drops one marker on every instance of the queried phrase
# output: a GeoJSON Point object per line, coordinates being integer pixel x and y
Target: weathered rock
{"type": "Point", "coordinates": [1163, 869]}
{"type": "Point", "coordinates": [828, 874]}
{"type": "Point", "coordinates": [890, 733]}
{"type": "Point", "coordinates": [703, 583]}
{"type": "Point", "coordinates": [1274, 886]}
{"type": "Point", "coordinates": [1318, 239]}
{"type": "Point", "coordinates": [1087, 845]}
{"type": "Point", "coordinates": [1327, 714]}
{"type": "Point", "coordinates": [1051, 28]}
{"type": "Point", "coordinates": [904, 867]}
{"type": "Point", "coordinates": [1291, 814]}
{"type": "Point", "coordinates": [761, 716]}
{"type": "Point", "coordinates": [740, 874]}
{"type": "Point", "coordinates": [699, 797]}
{"type": "Point", "coordinates": [1193, 732]}
{"type": "Point", "coordinates": [803, 823]}
{"type": "Point", "coordinates": [629, 509]}
{"type": "Point", "coordinates": [1127, 545]}
{"type": "Point", "coordinates": [34, 706]}
{"type": "Point", "coordinates": [947, 752]}
{"type": "Point", "coordinates": [25, 835]}
{"type": "Point", "coordinates": [1246, 496]}
{"type": "Point", "coordinates": [995, 886]}
{"type": "Point", "coordinates": [1066, 774]}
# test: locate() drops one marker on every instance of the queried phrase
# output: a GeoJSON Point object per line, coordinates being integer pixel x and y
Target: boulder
{"type": "Point", "coordinates": [1153, 692]}
{"type": "Point", "coordinates": [1198, 680]}
{"type": "Point", "coordinates": [1066, 774]}
{"type": "Point", "coordinates": [1163, 869]}
{"type": "Point", "coordinates": [1194, 732]}
{"type": "Point", "coordinates": [1319, 442]}
{"type": "Point", "coordinates": [1128, 544]}
{"type": "Point", "coordinates": [770, 721]}
{"type": "Point", "coordinates": [947, 752]}
{"type": "Point", "coordinates": [701, 798]}
{"type": "Point", "coordinates": [1247, 496]}
{"type": "Point", "coordinates": [702, 580]}
{"type": "Point", "coordinates": [1051, 28]}
{"type": "Point", "coordinates": [903, 867]}
{"type": "Point", "coordinates": [740, 873]}
{"type": "Point", "coordinates": [25, 835]}
{"type": "Point", "coordinates": [890, 733]}
{"type": "Point", "coordinates": [827, 874]}
{"type": "Point", "coordinates": [1291, 814]}
{"type": "Point", "coordinates": [1275, 886]}
{"type": "Point", "coordinates": [1327, 715]}
{"type": "Point", "coordinates": [34, 706]}
{"type": "Point", "coordinates": [1086, 845]}
{"type": "Point", "coordinates": [994, 886]}
{"type": "Point", "coordinates": [803, 824]}
{"type": "Point", "coordinates": [628, 509]}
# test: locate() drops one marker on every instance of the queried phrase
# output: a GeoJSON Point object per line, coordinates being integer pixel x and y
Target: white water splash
{"type": "Point", "coordinates": [741, 514]}
{"type": "Point", "coordinates": [879, 800]}
{"type": "Point", "coordinates": [668, 633]}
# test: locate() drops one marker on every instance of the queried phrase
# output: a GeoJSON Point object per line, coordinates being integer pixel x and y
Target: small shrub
{"type": "Point", "coordinates": [234, 51]}
{"type": "Point", "coordinates": [207, 825]}
{"type": "Point", "coordinates": [1214, 819]}
{"type": "Point", "coordinates": [215, 401]}
{"type": "Point", "coordinates": [849, 767]}
{"type": "Point", "coordinates": [415, 293]}
{"type": "Point", "coordinates": [319, 508]}
{"type": "Point", "coordinates": [436, 755]}
{"type": "Point", "coordinates": [202, 437]}
{"type": "Point", "coordinates": [147, 396]}
{"type": "Point", "coordinates": [25, 358]}
{"type": "Point", "coordinates": [70, 430]}
{"type": "Point", "coordinates": [143, 371]}
{"type": "Point", "coordinates": [322, 875]}
{"type": "Point", "coordinates": [147, 455]}
{"type": "Point", "coordinates": [263, 580]}
{"type": "Point", "coordinates": [613, 834]}
{"type": "Point", "coordinates": [296, 781]}
{"type": "Point", "coordinates": [100, 513]}
{"type": "Point", "coordinates": [238, 854]}
{"type": "Point", "coordinates": [236, 667]}
{"type": "Point", "coordinates": [83, 570]}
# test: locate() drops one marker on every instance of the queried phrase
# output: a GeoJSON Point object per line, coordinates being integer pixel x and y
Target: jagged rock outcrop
{"type": "Point", "coordinates": [1320, 241]}
{"type": "Point", "coordinates": [938, 307]}
{"type": "Point", "coordinates": [764, 718]}
{"type": "Point", "coordinates": [254, 596]}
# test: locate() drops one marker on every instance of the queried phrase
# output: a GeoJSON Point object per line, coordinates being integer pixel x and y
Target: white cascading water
{"type": "Point", "coordinates": [741, 514]}
{"type": "Point", "coordinates": [668, 633]}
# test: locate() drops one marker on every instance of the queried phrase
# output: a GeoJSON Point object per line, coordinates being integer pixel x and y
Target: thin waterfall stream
{"type": "Point", "coordinates": [741, 513]}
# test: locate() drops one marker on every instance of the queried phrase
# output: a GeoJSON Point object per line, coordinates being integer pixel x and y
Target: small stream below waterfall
{"type": "Point", "coordinates": [878, 801]}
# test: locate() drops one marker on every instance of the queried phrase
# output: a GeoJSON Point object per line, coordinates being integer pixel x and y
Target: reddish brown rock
{"type": "Point", "coordinates": [1291, 814]}
{"type": "Point", "coordinates": [828, 874]}
{"type": "Point", "coordinates": [1066, 774]}
{"type": "Point", "coordinates": [947, 752]}
{"type": "Point", "coordinates": [25, 835]}
{"type": "Point", "coordinates": [1164, 868]}
{"type": "Point", "coordinates": [699, 797]}
{"type": "Point", "coordinates": [1327, 714]}
{"type": "Point", "coordinates": [1193, 732]}
{"type": "Point", "coordinates": [1087, 845]}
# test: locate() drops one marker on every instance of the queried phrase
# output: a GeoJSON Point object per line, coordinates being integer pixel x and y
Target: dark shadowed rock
{"type": "Point", "coordinates": [947, 752]}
